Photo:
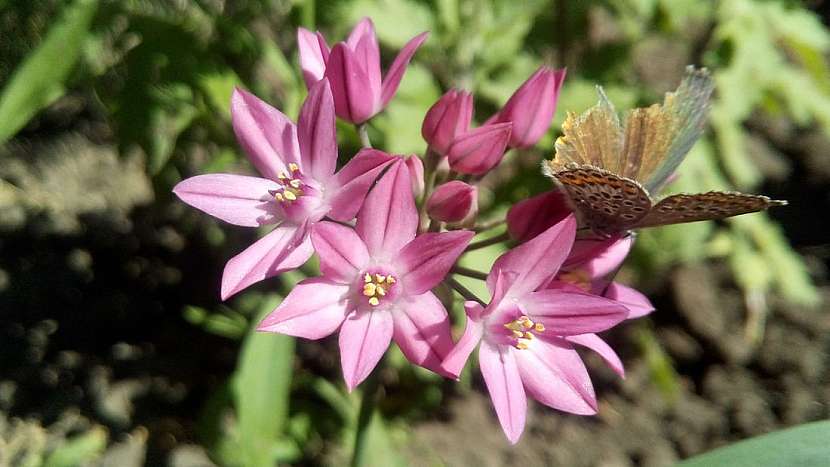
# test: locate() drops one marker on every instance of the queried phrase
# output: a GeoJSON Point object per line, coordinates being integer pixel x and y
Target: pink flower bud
{"type": "Point", "coordinates": [528, 218]}
{"type": "Point", "coordinates": [531, 107]}
{"type": "Point", "coordinates": [448, 118]}
{"type": "Point", "coordinates": [416, 173]}
{"type": "Point", "coordinates": [453, 201]}
{"type": "Point", "coordinates": [479, 150]}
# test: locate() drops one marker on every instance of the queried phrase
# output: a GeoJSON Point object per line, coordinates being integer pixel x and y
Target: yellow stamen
{"type": "Point", "coordinates": [279, 197]}
{"type": "Point", "coordinates": [380, 278]}
{"type": "Point", "coordinates": [295, 183]}
{"type": "Point", "coordinates": [390, 280]}
{"type": "Point", "coordinates": [374, 301]}
{"type": "Point", "coordinates": [367, 278]}
{"type": "Point", "coordinates": [521, 346]}
{"type": "Point", "coordinates": [293, 167]}
{"type": "Point", "coordinates": [380, 290]}
{"type": "Point", "coordinates": [539, 327]}
{"type": "Point", "coordinates": [518, 334]}
{"type": "Point", "coordinates": [290, 196]}
{"type": "Point", "coordinates": [529, 336]}
{"type": "Point", "coordinates": [282, 175]}
{"type": "Point", "coordinates": [369, 289]}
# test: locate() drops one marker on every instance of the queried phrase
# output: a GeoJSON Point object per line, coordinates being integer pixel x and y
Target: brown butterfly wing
{"type": "Point", "coordinates": [605, 202]}
{"type": "Point", "coordinates": [593, 138]}
{"type": "Point", "coordinates": [678, 209]}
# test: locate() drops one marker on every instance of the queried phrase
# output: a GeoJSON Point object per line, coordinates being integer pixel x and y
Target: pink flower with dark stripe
{"type": "Point", "coordinates": [299, 186]}
{"type": "Point", "coordinates": [375, 284]}
{"type": "Point", "coordinates": [525, 335]}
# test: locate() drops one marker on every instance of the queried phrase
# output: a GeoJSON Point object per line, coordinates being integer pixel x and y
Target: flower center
{"type": "Point", "coordinates": [523, 330]}
{"type": "Point", "coordinates": [377, 286]}
{"type": "Point", "coordinates": [578, 277]}
{"type": "Point", "coordinates": [291, 185]}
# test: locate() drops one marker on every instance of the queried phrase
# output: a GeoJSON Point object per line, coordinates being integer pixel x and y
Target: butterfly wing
{"type": "Point", "coordinates": [657, 138]}
{"type": "Point", "coordinates": [681, 208]}
{"type": "Point", "coordinates": [593, 138]}
{"type": "Point", "coordinates": [605, 202]}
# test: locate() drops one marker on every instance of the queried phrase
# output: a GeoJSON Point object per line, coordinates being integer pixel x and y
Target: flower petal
{"type": "Point", "coordinates": [314, 52]}
{"type": "Point", "coordinates": [364, 337]}
{"type": "Point", "coordinates": [422, 330]}
{"type": "Point", "coordinates": [416, 173]}
{"type": "Point", "coordinates": [353, 99]}
{"type": "Point", "coordinates": [534, 262]}
{"type": "Point", "coordinates": [425, 261]}
{"type": "Point", "coordinates": [593, 342]}
{"type": "Point", "coordinates": [267, 136]}
{"type": "Point", "coordinates": [364, 43]}
{"type": "Point", "coordinates": [316, 133]}
{"type": "Point", "coordinates": [457, 357]}
{"type": "Point", "coordinates": [606, 259]}
{"type": "Point", "coordinates": [567, 313]}
{"type": "Point", "coordinates": [530, 217]}
{"type": "Point", "coordinates": [638, 305]}
{"type": "Point", "coordinates": [286, 247]}
{"type": "Point", "coordinates": [342, 253]}
{"type": "Point", "coordinates": [553, 374]}
{"type": "Point", "coordinates": [351, 184]}
{"type": "Point", "coordinates": [478, 151]}
{"type": "Point", "coordinates": [501, 374]}
{"type": "Point", "coordinates": [396, 71]}
{"type": "Point", "coordinates": [388, 219]}
{"type": "Point", "coordinates": [313, 309]}
{"type": "Point", "coordinates": [236, 199]}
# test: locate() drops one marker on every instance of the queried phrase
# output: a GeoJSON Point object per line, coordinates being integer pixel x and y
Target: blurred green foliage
{"type": "Point", "coordinates": [158, 75]}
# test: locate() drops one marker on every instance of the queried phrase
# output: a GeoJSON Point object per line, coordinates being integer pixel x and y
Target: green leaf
{"type": "Point", "coordinates": [79, 450]}
{"type": "Point", "coordinates": [802, 446]}
{"type": "Point", "coordinates": [41, 78]}
{"type": "Point", "coordinates": [261, 389]}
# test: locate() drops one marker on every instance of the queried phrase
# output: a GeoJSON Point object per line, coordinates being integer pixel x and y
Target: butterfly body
{"type": "Point", "coordinates": [609, 171]}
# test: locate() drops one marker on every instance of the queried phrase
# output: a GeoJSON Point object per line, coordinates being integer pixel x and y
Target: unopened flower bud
{"type": "Point", "coordinates": [530, 217]}
{"type": "Point", "coordinates": [479, 150]}
{"type": "Point", "coordinates": [454, 202]}
{"type": "Point", "coordinates": [531, 107]}
{"type": "Point", "coordinates": [448, 118]}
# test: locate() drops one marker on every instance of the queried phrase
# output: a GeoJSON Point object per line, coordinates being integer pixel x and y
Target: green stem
{"type": "Point", "coordinates": [363, 133]}
{"type": "Point", "coordinates": [371, 389]}
{"type": "Point", "coordinates": [463, 291]}
{"type": "Point", "coordinates": [462, 271]}
{"type": "Point", "coordinates": [490, 241]}
{"type": "Point", "coordinates": [484, 227]}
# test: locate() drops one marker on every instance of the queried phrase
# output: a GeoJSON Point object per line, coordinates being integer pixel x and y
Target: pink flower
{"type": "Point", "coordinates": [375, 284]}
{"type": "Point", "coordinates": [454, 201]}
{"type": "Point", "coordinates": [299, 188]}
{"type": "Point", "coordinates": [526, 334]}
{"type": "Point", "coordinates": [531, 107]}
{"type": "Point", "coordinates": [478, 151]}
{"type": "Point", "coordinates": [591, 264]}
{"type": "Point", "coordinates": [447, 119]}
{"type": "Point", "coordinates": [353, 68]}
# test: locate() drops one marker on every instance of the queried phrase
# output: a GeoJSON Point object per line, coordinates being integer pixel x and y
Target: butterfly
{"type": "Point", "coordinates": [609, 170]}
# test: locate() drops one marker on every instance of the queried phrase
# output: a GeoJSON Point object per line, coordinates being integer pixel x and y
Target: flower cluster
{"type": "Point", "coordinates": [389, 229]}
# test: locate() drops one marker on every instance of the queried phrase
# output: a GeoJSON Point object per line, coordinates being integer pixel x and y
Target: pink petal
{"type": "Point", "coordinates": [501, 374]}
{"type": "Point", "coordinates": [314, 52]}
{"type": "Point", "coordinates": [267, 136]}
{"type": "Point", "coordinates": [554, 375]}
{"type": "Point", "coordinates": [457, 357]}
{"type": "Point", "coordinates": [607, 259]}
{"type": "Point", "coordinates": [566, 313]}
{"type": "Point", "coordinates": [342, 253]}
{"type": "Point", "coordinates": [530, 217]}
{"type": "Point", "coordinates": [395, 74]}
{"type": "Point", "coordinates": [479, 150]}
{"type": "Point", "coordinates": [454, 201]}
{"type": "Point", "coordinates": [350, 85]}
{"type": "Point", "coordinates": [315, 127]}
{"type": "Point", "coordinates": [364, 338]}
{"type": "Point", "coordinates": [351, 184]}
{"type": "Point", "coordinates": [448, 118]}
{"type": "Point", "coordinates": [236, 199]}
{"type": "Point", "coordinates": [425, 261]}
{"type": "Point", "coordinates": [593, 342]}
{"type": "Point", "coordinates": [364, 43]}
{"type": "Point", "coordinates": [638, 305]}
{"type": "Point", "coordinates": [286, 247]}
{"type": "Point", "coordinates": [313, 309]}
{"type": "Point", "coordinates": [388, 219]}
{"type": "Point", "coordinates": [531, 107]}
{"type": "Point", "coordinates": [416, 173]}
{"type": "Point", "coordinates": [422, 330]}
{"type": "Point", "coordinates": [534, 262]}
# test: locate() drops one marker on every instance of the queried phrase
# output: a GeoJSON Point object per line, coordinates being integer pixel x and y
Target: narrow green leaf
{"type": "Point", "coordinates": [41, 78]}
{"type": "Point", "coordinates": [261, 390]}
{"type": "Point", "coordinates": [802, 446]}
